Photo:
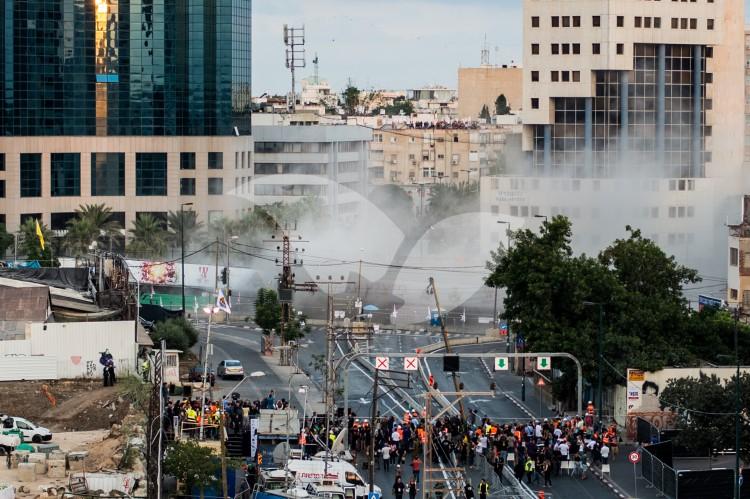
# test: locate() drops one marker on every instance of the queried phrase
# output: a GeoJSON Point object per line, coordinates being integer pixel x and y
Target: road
{"type": "Point", "coordinates": [243, 344]}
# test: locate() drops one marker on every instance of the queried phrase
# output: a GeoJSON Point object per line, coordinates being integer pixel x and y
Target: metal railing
{"type": "Point", "coordinates": [509, 487]}
{"type": "Point", "coordinates": [658, 475]}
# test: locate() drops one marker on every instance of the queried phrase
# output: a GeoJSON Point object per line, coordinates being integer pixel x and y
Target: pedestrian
{"type": "Point", "coordinates": [547, 470]}
{"type": "Point", "coordinates": [528, 468]}
{"type": "Point", "coordinates": [415, 464]}
{"type": "Point", "coordinates": [412, 488]}
{"type": "Point", "coordinates": [398, 488]}
{"type": "Point", "coordinates": [604, 452]}
{"type": "Point", "coordinates": [484, 489]}
{"type": "Point", "coordinates": [468, 491]}
{"type": "Point", "coordinates": [386, 453]}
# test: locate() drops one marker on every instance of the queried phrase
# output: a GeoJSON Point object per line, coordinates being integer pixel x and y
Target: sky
{"type": "Point", "coordinates": [385, 44]}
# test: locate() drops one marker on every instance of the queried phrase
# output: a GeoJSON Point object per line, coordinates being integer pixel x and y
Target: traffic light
{"type": "Point", "coordinates": [224, 275]}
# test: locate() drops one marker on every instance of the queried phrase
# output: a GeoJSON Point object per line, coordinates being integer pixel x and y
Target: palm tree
{"type": "Point", "coordinates": [92, 224]}
{"type": "Point", "coordinates": [31, 246]}
{"type": "Point", "coordinates": [148, 238]}
{"type": "Point", "coordinates": [193, 228]}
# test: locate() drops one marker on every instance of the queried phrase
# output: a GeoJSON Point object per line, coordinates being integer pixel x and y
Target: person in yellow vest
{"type": "Point", "coordinates": [332, 438]}
{"type": "Point", "coordinates": [190, 420]}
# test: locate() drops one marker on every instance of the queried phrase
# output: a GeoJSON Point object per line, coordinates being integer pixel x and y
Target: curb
{"type": "Point", "coordinates": [520, 405]}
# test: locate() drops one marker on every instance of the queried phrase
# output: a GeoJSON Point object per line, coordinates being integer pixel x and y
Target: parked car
{"type": "Point", "coordinates": [228, 368]}
{"type": "Point", "coordinates": [196, 375]}
{"type": "Point", "coordinates": [29, 430]}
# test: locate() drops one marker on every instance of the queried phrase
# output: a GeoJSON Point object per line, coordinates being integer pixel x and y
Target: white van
{"type": "Point", "coordinates": [340, 473]}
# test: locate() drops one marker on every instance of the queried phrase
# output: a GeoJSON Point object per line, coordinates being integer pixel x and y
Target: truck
{"type": "Point", "coordinates": [341, 473]}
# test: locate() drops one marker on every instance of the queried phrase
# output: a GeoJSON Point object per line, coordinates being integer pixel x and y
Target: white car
{"type": "Point", "coordinates": [228, 368]}
{"type": "Point", "coordinates": [30, 431]}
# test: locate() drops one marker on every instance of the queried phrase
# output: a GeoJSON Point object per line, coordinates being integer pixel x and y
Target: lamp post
{"type": "Point", "coordinates": [182, 252]}
{"type": "Point", "coordinates": [600, 348]}
{"type": "Point", "coordinates": [542, 216]}
{"type": "Point", "coordinates": [737, 407]}
{"type": "Point", "coordinates": [211, 310]}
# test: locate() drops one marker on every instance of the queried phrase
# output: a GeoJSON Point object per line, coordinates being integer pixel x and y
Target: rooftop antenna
{"type": "Point", "coordinates": [317, 74]}
{"type": "Point", "coordinates": [485, 53]}
{"type": "Point", "coordinates": [294, 39]}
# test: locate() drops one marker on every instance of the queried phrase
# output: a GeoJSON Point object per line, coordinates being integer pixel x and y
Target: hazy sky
{"type": "Point", "coordinates": [390, 44]}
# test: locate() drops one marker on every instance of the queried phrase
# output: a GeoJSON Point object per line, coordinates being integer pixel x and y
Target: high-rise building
{"type": "Point", "coordinates": [634, 105]}
{"type": "Point", "coordinates": [138, 104]}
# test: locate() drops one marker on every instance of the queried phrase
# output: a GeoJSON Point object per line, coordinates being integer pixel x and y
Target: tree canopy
{"type": "Point", "coordinates": [553, 297]}
{"type": "Point", "coordinates": [351, 99]}
{"type": "Point", "coordinates": [267, 310]}
{"type": "Point", "coordinates": [501, 105]}
{"type": "Point", "coordinates": [30, 246]}
{"type": "Point", "coordinates": [485, 113]}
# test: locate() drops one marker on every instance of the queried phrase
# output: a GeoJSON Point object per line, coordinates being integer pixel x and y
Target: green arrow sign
{"type": "Point", "coordinates": [501, 363]}
{"type": "Point", "coordinates": [543, 363]}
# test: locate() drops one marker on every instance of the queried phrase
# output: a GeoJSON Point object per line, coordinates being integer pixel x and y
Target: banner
{"type": "Point", "coordinates": [253, 436]}
{"type": "Point", "coordinates": [158, 273]}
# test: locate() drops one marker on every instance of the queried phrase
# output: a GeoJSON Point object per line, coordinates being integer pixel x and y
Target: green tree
{"type": "Point", "coordinates": [396, 203]}
{"type": "Point", "coordinates": [400, 106]}
{"type": "Point", "coordinates": [704, 409]}
{"type": "Point", "coordinates": [148, 237]}
{"type": "Point", "coordinates": [192, 226]}
{"type": "Point", "coordinates": [501, 105]}
{"type": "Point", "coordinates": [178, 333]}
{"type": "Point", "coordinates": [6, 240]}
{"type": "Point", "coordinates": [448, 200]}
{"type": "Point", "coordinates": [267, 310]}
{"type": "Point", "coordinates": [29, 244]}
{"type": "Point", "coordinates": [80, 237]}
{"type": "Point", "coordinates": [193, 464]}
{"type": "Point", "coordinates": [485, 113]}
{"type": "Point", "coordinates": [351, 98]}
{"type": "Point", "coordinates": [709, 336]}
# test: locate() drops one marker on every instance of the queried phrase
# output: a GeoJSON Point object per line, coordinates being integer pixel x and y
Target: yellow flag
{"type": "Point", "coordinates": [40, 235]}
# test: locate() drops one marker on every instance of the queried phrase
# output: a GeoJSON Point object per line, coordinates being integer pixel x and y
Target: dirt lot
{"type": "Point", "coordinates": [66, 405]}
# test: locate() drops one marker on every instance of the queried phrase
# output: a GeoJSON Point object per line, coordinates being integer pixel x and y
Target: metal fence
{"type": "Point", "coordinates": [509, 487]}
{"type": "Point", "coordinates": [659, 475]}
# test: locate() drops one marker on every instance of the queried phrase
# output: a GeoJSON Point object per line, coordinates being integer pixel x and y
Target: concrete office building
{"type": "Point", "coordinates": [324, 161]}
{"type": "Point", "coordinates": [637, 95]}
{"type": "Point", "coordinates": [478, 87]}
{"type": "Point", "coordinates": [140, 105]}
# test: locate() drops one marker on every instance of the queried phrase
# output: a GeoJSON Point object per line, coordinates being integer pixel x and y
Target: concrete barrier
{"type": "Point", "coordinates": [39, 459]}
{"type": "Point", "coordinates": [26, 472]}
{"type": "Point", "coordinates": [56, 468]}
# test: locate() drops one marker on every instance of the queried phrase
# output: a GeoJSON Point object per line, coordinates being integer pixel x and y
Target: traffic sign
{"type": "Point", "coordinates": [373, 495]}
{"type": "Point", "coordinates": [634, 457]}
{"type": "Point", "coordinates": [501, 363]}
{"type": "Point", "coordinates": [382, 363]}
{"type": "Point", "coordinates": [543, 363]}
{"type": "Point", "coordinates": [503, 329]}
{"type": "Point", "coordinates": [540, 382]}
{"type": "Point", "coordinates": [410, 364]}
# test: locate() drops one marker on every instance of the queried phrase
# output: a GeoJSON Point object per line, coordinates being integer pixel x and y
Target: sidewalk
{"type": "Point", "coordinates": [315, 397]}
{"type": "Point", "coordinates": [621, 473]}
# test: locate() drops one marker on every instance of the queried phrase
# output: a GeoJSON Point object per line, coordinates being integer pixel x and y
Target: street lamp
{"type": "Point", "coordinates": [507, 247]}
{"type": "Point", "coordinates": [600, 361]}
{"type": "Point", "coordinates": [542, 216]}
{"type": "Point", "coordinates": [182, 251]}
{"type": "Point", "coordinates": [210, 311]}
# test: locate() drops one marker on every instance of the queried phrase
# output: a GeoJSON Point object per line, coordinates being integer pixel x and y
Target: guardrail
{"type": "Point", "coordinates": [661, 476]}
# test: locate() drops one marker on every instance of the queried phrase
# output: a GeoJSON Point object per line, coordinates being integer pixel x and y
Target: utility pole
{"type": "Point", "coordinates": [737, 408]}
{"type": "Point", "coordinates": [182, 251]}
{"type": "Point", "coordinates": [287, 286]}
{"type": "Point", "coordinates": [216, 267]}
{"type": "Point", "coordinates": [432, 288]}
{"type": "Point", "coordinates": [294, 39]}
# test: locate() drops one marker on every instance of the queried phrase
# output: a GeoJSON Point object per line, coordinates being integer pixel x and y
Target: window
{"type": "Point", "coordinates": [693, 23]}
{"type": "Point", "coordinates": [620, 48]}
{"type": "Point", "coordinates": [675, 22]}
{"type": "Point", "coordinates": [2, 161]}
{"type": "Point", "coordinates": [576, 21]}
{"type": "Point", "coordinates": [555, 22]}
{"type": "Point", "coordinates": [596, 49]}
{"type": "Point", "coordinates": [107, 173]}
{"type": "Point", "coordinates": [657, 22]}
{"type": "Point", "coordinates": [215, 160]}
{"type": "Point", "coordinates": [554, 76]}
{"type": "Point", "coordinates": [565, 75]}
{"type": "Point", "coordinates": [734, 257]}
{"type": "Point", "coordinates": [555, 49]}
{"type": "Point", "coordinates": [187, 187]}
{"type": "Point", "coordinates": [637, 21]}
{"type": "Point", "coordinates": [565, 48]}
{"type": "Point", "coordinates": [646, 22]}
{"type": "Point", "coordinates": [733, 294]}
{"type": "Point", "coordinates": [150, 174]}
{"type": "Point", "coordinates": [535, 48]}
{"type": "Point", "coordinates": [215, 186]}
{"type": "Point", "coordinates": [535, 76]}
{"type": "Point", "coordinates": [709, 24]}
{"type": "Point", "coordinates": [576, 76]}
{"type": "Point", "coordinates": [596, 21]}
{"type": "Point", "coordinates": [535, 21]}
{"type": "Point", "coordinates": [576, 48]}
{"type": "Point", "coordinates": [187, 161]}
{"type": "Point", "coordinates": [31, 175]}
{"type": "Point", "coordinates": [2, 188]}
{"type": "Point", "coordinates": [683, 23]}
{"type": "Point", "coordinates": [65, 174]}
{"type": "Point", "coordinates": [534, 103]}
{"type": "Point", "coordinates": [566, 21]}
{"type": "Point", "coordinates": [620, 21]}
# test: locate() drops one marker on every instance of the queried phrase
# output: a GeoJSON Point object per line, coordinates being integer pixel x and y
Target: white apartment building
{"type": "Point", "coordinates": [633, 97]}
{"type": "Point", "coordinates": [325, 161]}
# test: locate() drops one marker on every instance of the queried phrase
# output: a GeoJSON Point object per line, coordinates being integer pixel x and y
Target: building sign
{"type": "Point", "coordinates": [636, 375]}
{"type": "Point", "coordinates": [505, 196]}
{"type": "Point", "coordinates": [158, 273]}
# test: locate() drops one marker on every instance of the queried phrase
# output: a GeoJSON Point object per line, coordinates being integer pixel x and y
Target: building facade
{"type": "Point", "coordinates": [638, 99]}
{"type": "Point", "coordinates": [328, 162]}
{"type": "Point", "coordinates": [478, 87]}
{"type": "Point", "coordinates": [138, 104]}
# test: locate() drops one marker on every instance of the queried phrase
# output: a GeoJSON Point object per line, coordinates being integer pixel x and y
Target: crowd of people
{"type": "Point", "coordinates": [537, 451]}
